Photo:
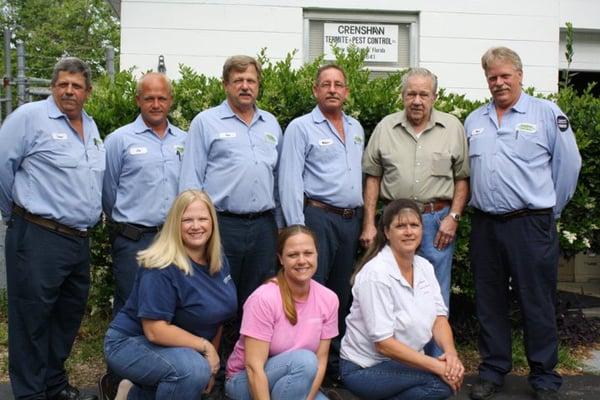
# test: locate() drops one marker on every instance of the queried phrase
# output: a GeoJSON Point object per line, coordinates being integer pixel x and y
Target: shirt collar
{"type": "Point", "coordinates": [391, 266]}
{"type": "Point", "coordinates": [139, 126]}
{"type": "Point", "coordinates": [54, 111]}
{"type": "Point", "coordinates": [520, 106]}
{"type": "Point", "coordinates": [318, 117]}
{"type": "Point", "coordinates": [225, 111]}
{"type": "Point", "coordinates": [434, 119]}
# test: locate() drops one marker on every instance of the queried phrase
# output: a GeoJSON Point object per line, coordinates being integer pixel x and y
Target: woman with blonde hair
{"type": "Point", "coordinates": [397, 308]}
{"type": "Point", "coordinates": [164, 340]}
{"type": "Point", "coordinates": [287, 326]}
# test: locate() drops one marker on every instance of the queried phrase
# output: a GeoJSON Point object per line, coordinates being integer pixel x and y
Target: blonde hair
{"type": "Point", "coordinates": [289, 306]}
{"type": "Point", "coordinates": [167, 248]}
{"type": "Point", "coordinates": [495, 54]}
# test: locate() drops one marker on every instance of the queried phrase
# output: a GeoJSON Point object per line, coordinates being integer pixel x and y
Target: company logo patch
{"type": "Point", "coordinates": [358, 139]}
{"type": "Point", "coordinates": [562, 122]}
{"type": "Point", "coordinates": [527, 127]}
{"type": "Point", "coordinates": [269, 137]}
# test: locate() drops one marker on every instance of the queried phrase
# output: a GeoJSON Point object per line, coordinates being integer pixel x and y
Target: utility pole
{"type": "Point", "coordinates": [21, 80]}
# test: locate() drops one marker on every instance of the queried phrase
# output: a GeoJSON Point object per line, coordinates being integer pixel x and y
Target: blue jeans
{"type": "Point", "coordinates": [441, 261]}
{"type": "Point", "coordinates": [392, 380]}
{"type": "Point", "coordinates": [290, 375]}
{"type": "Point", "coordinates": [157, 372]}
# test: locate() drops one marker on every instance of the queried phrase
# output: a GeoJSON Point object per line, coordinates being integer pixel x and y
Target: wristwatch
{"type": "Point", "coordinates": [455, 216]}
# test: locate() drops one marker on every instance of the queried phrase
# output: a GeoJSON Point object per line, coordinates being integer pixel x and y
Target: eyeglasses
{"type": "Point", "coordinates": [326, 85]}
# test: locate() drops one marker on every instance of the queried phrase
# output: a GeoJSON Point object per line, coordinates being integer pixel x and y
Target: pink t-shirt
{"type": "Point", "coordinates": [264, 319]}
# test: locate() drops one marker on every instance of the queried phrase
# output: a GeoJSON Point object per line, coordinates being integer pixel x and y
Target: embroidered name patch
{"type": "Point", "coordinates": [227, 135]}
{"type": "Point", "coordinates": [527, 127]}
{"type": "Point", "coordinates": [134, 151]}
{"type": "Point", "coordinates": [59, 136]}
{"type": "Point", "coordinates": [325, 142]}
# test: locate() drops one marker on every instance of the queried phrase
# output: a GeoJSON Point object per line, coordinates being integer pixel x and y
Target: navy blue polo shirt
{"type": "Point", "coordinates": [198, 303]}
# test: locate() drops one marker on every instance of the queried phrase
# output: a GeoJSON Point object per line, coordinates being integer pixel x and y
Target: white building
{"type": "Point", "coordinates": [445, 36]}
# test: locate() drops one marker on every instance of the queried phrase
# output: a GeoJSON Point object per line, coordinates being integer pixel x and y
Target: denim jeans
{"type": "Point", "coordinates": [290, 375]}
{"type": "Point", "coordinates": [157, 372]}
{"type": "Point", "coordinates": [392, 380]}
{"type": "Point", "coordinates": [441, 261]}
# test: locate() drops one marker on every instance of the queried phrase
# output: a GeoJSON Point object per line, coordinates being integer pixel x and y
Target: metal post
{"type": "Point", "coordinates": [21, 80]}
{"type": "Point", "coordinates": [110, 62]}
{"type": "Point", "coordinates": [7, 73]}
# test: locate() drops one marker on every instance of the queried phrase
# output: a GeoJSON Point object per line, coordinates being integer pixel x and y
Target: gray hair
{"type": "Point", "coordinates": [424, 72]}
{"type": "Point", "coordinates": [501, 53]}
{"type": "Point", "coordinates": [240, 63]}
{"type": "Point", "coordinates": [72, 65]}
{"type": "Point", "coordinates": [140, 82]}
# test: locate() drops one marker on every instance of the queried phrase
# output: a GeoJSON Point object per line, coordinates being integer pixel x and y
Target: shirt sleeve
{"type": "Point", "coordinates": [278, 211]}
{"type": "Point", "coordinates": [291, 169]}
{"type": "Point", "coordinates": [460, 166]}
{"type": "Point", "coordinates": [14, 134]}
{"type": "Point", "coordinates": [376, 304]}
{"type": "Point", "coordinates": [195, 157]}
{"type": "Point", "coordinates": [157, 295]}
{"type": "Point", "coordinates": [330, 320]}
{"type": "Point", "coordinates": [566, 160]}
{"type": "Point", "coordinates": [371, 162]}
{"type": "Point", "coordinates": [112, 174]}
{"type": "Point", "coordinates": [258, 320]}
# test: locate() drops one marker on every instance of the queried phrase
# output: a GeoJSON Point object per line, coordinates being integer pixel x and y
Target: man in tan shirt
{"type": "Point", "coordinates": [420, 154]}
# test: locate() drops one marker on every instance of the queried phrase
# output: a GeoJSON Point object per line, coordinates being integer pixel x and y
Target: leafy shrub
{"type": "Point", "coordinates": [287, 93]}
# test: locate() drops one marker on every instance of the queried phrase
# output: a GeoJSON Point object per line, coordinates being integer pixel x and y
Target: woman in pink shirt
{"type": "Point", "coordinates": [287, 326]}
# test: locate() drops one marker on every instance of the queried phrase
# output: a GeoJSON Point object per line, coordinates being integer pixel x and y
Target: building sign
{"type": "Point", "coordinates": [381, 40]}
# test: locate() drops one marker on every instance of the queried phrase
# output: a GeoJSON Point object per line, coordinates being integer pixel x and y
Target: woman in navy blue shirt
{"type": "Point", "coordinates": [164, 340]}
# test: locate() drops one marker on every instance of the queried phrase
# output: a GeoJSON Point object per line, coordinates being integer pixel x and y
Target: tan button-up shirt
{"type": "Point", "coordinates": [423, 167]}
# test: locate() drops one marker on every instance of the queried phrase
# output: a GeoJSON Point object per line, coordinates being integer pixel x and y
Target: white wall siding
{"type": "Point", "coordinates": [451, 36]}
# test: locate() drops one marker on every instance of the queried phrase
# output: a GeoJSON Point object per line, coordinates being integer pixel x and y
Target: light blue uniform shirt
{"type": "Point", "coordinates": [47, 169]}
{"type": "Point", "coordinates": [316, 162]}
{"type": "Point", "coordinates": [530, 161]}
{"type": "Point", "coordinates": [234, 162]}
{"type": "Point", "coordinates": [142, 173]}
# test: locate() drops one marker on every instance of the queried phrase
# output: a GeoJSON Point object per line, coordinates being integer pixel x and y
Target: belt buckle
{"type": "Point", "coordinates": [431, 205]}
{"type": "Point", "coordinates": [347, 213]}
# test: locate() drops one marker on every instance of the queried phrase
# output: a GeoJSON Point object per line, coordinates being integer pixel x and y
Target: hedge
{"type": "Point", "coordinates": [286, 92]}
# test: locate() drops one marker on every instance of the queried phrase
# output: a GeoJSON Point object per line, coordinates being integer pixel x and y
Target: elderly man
{"type": "Point", "coordinates": [232, 153]}
{"type": "Point", "coordinates": [51, 167]}
{"type": "Point", "coordinates": [524, 167]}
{"type": "Point", "coordinates": [143, 161]}
{"type": "Point", "coordinates": [320, 181]}
{"type": "Point", "coordinates": [420, 154]}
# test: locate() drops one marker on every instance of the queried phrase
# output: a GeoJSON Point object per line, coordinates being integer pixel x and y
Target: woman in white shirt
{"type": "Point", "coordinates": [397, 309]}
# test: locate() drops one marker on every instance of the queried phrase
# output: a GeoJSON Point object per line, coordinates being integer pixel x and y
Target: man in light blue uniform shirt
{"type": "Point", "coordinates": [232, 153]}
{"type": "Point", "coordinates": [51, 167]}
{"type": "Point", "coordinates": [320, 181]}
{"type": "Point", "coordinates": [524, 169]}
{"type": "Point", "coordinates": [143, 161]}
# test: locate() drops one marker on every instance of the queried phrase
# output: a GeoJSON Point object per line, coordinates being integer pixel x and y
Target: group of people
{"type": "Point", "coordinates": [237, 221]}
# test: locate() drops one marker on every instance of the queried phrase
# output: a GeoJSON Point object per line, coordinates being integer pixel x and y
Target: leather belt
{"type": "Point", "coordinates": [247, 215]}
{"type": "Point", "coordinates": [48, 223]}
{"type": "Point", "coordinates": [430, 206]}
{"type": "Point", "coordinates": [346, 213]}
{"type": "Point", "coordinates": [133, 231]}
{"type": "Point", "coordinates": [524, 212]}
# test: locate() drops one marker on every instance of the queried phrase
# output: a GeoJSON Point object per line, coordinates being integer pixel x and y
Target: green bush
{"type": "Point", "coordinates": [287, 93]}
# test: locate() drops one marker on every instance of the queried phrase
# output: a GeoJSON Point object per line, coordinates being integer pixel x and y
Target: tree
{"type": "Point", "coordinates": [51, 29]}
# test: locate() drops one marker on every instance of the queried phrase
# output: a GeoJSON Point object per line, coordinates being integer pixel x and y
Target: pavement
{"type": "Point", "coordinates": [580, 387]}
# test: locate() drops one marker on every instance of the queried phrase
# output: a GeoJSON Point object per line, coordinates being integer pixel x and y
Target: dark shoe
{"type": "Point", "coordinates": [483, 390]}
{"type": "Point", "coordinates": [546, 394]}
{"type": "Point", "coordinates": [72, 393]}
{"type": "Point", "coordinates": [107, 387]}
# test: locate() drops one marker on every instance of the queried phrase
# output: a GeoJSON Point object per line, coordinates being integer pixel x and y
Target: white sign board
{"type": "Point", "coordinates": [381, 40]}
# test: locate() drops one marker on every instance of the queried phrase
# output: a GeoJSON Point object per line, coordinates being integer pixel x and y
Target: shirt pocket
{"type": "Point", "coordinates": [528, 147]}
{"type": "Point", "coordinates": [59, 149]}
{"type": "Point", "coordinates": [96, 158]}
{"type": "Point", "coordinates": [441, 164]}
{"type": "Point", "coordinates": [477, 146]}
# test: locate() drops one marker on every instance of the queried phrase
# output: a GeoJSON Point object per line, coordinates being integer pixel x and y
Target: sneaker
{"type": "Point", "coordinates": [546, 394]}
{"type": "Point", "coordinates": [483, 390]}
{"type": "Point", "coordinates": [106, 387]}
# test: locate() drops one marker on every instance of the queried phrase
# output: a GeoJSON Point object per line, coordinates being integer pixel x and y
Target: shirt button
{"type": "Point", "coordinates": [416, 180]}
